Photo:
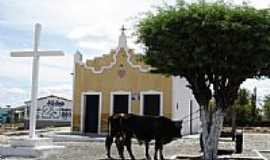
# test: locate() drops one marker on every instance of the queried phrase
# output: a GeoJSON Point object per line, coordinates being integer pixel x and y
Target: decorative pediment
{"type": "Point", "coordinates": [100, 63]}
{"type": "Point", "coordinates": [136, 60]}
{"type": "Point", "coordinates": [107, 61]}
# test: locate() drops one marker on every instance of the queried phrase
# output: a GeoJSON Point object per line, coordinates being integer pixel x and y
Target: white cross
{"type": "Point", "coordinates": [35, 71]}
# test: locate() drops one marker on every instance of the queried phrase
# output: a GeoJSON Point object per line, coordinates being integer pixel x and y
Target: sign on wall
{"type": "Point", "coordinates": [54, 110]}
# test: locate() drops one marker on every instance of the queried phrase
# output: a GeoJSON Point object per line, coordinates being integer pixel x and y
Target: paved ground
{"type": "Point", "coordinates": [257, 141]}
{"type": "Point", "coordinates": [86, 151]}
{"type": "Point", "coordinates": [187, 146]}
{"type": "Point", "coordinates": [266, 155]}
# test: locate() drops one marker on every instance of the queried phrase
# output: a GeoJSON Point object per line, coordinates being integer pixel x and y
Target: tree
{"type": "Point", "coordinates": [266, 107]}
{"type": "Point", "coordinates": [244, 106]}
{"type": "Point", "coordinates": [215, 44]}
{"type": "Point", "coordinates": [242, 100]}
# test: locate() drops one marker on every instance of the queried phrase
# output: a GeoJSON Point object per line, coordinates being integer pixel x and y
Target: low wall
{"type": "Point", "coordinates": [46, 123]}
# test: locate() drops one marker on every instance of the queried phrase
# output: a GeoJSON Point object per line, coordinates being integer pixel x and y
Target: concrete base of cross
{"type": "Point", "coordinates": [29, 147]}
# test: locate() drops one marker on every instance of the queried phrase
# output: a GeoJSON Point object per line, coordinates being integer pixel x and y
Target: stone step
{"type": "Point", "coordinates": [39, 151]}
{"type": "Point", "coordinates": [29, 142]}
{"type": "Point", "coordinates": [29, 147]}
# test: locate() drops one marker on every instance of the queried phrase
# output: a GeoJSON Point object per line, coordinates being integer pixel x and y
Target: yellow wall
{"type": "Point", "coordinates": [109, 81]}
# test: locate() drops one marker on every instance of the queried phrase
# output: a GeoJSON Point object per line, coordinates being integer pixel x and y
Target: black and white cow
{"type": "Point", "coordinates": [123, 127]}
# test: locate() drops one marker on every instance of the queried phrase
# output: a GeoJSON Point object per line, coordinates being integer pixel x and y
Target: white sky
{"type": "Point", "coordinates": [89, 26]}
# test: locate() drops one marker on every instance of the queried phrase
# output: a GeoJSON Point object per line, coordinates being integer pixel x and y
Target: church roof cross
{"type": "Point", "coordinates": [123, 29]}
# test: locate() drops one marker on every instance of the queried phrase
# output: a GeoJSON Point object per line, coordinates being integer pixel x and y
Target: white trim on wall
{"type": "Point", "coordinates": [83, 109]}
{"type": "Point", "coordinates": [120, 93]}
{"type": "Point", "coordinates": [151, 92]}
{"type": "Point", "coordinates": [77, 58]}
{"type": "Point", "coordinates": [82, 112]}
{"type": "Point", "coordinates": [139, 67]}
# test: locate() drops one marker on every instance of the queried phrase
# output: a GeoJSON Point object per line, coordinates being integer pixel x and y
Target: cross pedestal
{"type": "Point", "coordinates": [32, 146]}
{"type": "Point", "coordinates": [29, 147]}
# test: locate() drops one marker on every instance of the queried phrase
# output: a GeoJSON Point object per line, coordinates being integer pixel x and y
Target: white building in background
{"type": "Point", "coordinates": [51, 111]}
{"type": "Point", "coordinates": [185, 106]}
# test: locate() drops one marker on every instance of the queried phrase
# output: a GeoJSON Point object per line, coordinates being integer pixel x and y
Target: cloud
{"type": "Point", "coordinates": [82, 21]}
{"type": "Point", "coordinates": [255, 3]}
{"type": "Point", "coordinates": [87, 32]}
{"type": "Point", "coordinates": [263, 88]}
{"type": "Point", "coordinates": [17, 96]}
{"type": "Point", "coordinates": [93, 26]}
{"type": "Point", "coordinates": [69, 14]}
{"type": "Point", "coordinates": [12, 96]}
{"type": "Point", "coordinates": [64, 90]}
{"type": "Point", "coordinates": [52, 69]}
{"type": "Point", "coordinates": [101, 31]}
{"type": "Point", "coordinates": [15, 77]}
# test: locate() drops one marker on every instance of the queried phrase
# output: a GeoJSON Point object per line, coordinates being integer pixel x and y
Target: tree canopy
{"type": "Point", "coordinates": [210, 44]}
{"type": "Point", "coordinates": [218, 43]}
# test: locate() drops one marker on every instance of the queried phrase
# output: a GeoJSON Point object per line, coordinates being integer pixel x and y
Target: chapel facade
{"type": "Point", "coordinates": [120, 82]}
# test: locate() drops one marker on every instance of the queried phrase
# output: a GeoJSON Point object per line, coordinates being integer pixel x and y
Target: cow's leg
{"type": "Point", "coordinates": [108, 144]}
{"type": "Point", "coordinates": [156, 150]}
{"type": "Point", "coordinates": [128, 144]}
{"type": "Point", "coordinates": [119, 141]}
{"type": "Point", "coordinates": [161, 152]}
{"type": "Point", "coordinates": [201, 142]}
{"type": "Point", "coordinates": [158, 147]}
{"type": "Point", "coordinates": [148, 157]}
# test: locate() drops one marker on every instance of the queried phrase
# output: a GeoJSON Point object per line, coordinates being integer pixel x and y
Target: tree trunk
{"type": "Point", "coordinates": [211, 126]}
